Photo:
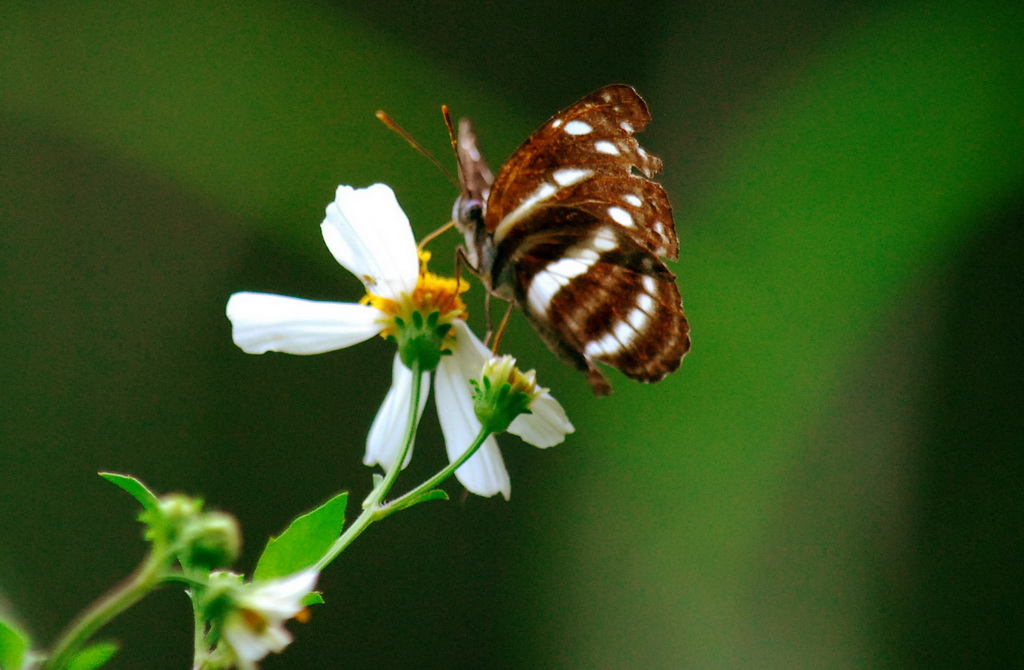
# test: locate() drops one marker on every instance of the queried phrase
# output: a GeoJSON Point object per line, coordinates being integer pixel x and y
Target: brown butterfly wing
{"type": "Point", "coordinates": [586, 157]}
{"type": "Point", "coordinates": [576, 229]}
{"type": "Point", "coordinates": [595, 294]}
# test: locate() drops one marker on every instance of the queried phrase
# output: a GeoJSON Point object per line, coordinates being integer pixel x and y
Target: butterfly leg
{"type": "Point", "coordinates": [501, 327]}
{"type": "Point", "coordinates": [461, 259]}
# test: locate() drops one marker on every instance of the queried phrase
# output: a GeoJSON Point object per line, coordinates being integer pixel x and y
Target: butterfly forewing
{"type": "Point", "coordinates": [575, 228]}
{"type": "Point", "coordinates": [587, 156]}
{"type": "Point", "coordinates": [474, 174]}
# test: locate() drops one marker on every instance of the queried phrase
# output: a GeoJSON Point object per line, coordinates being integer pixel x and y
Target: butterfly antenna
{"type": "Point", "coordinates": [390, 123]}
{"type": "Point", "coordinates": [451, 128]}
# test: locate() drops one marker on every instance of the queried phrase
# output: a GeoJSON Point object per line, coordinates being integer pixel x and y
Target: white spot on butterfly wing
{"type": "Point", "coordinates": [606, 147]}
{"type": "Point", "coordinates": [568, 267]}
{"type": "Point", "coordinates": [612, 342]}
{"type": "Point", "coordinates": [606, 345]}
{"type": "Point", "coordinates": [604, 240]}
{"type": "Point", "coordinates": [633, 200]}
{"type": "Point", "coordinates": [645, 302]}
{"type": "Point", "coordinates": [557, 123]}
{"type": "Point", "coordinates": [625, 332]}
{"type": "Point", "coordinates": [626, 125]}
{"type": "Point", "coordinates": [585, 254]}
{"type": "Point", "coordinates": [542, 192]}
{"type": "Point", "coordinates": [557, 275]}
{"type": "Point", "coordinates": [621, 216]}
{"type": "Point", "coordinates": [569, 176]}
{"type": "Point", "coordinates": [578, 127]}
{"type": "Point", "coordinates": [638, 318]}
{"type": "Point", "coordinates": [543, 288]}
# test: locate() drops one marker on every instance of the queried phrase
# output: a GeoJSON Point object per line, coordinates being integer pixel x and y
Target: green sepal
{"type": "Point", "coordinates": [421, 343]}
{"type": "Point", "coordinates": [497, 406]}
{"type": "Point", "coordinates": [133, 486]}
{"type": "Point", "coordinates": [304, 542]}
{"type": "Point", "coordinates": [13, 645]}
{"type": "Point", "coordinates": [313, 598]}
{"type": "Point", "coordinates": [93, 656]}
{"type": "Point", "coordinates": [432, 494]}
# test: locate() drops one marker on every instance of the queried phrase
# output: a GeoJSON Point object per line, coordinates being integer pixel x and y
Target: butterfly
{"type": "Point", "coordinates": [572, 231]}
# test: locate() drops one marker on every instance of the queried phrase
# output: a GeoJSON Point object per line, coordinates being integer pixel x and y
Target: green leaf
{"type": "Point", "coordinates": [93, 656]}
{"type": "Point", "coordinates": [133, 486]}
{"type": "Point", "coordinates": [304, 541]}
{"type": "Point", "coordinates": [13, 645]}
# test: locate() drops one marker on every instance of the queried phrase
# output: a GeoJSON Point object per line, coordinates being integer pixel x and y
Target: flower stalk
{"type": "Point", "coordinates": [146, 578]}
{"type": "Point", "coordinates": [372, 508]}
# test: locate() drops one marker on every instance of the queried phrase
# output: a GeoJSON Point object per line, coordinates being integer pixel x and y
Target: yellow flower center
{"type": "Point", "coordinates": [433, 293]}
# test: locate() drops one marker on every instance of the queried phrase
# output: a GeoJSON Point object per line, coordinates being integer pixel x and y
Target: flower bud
{"type": "Point", "coordinates": [503, 393]}
{"type": "Point", "coordinates": [214, 541]}
{"type": "Point", "coordinates": [201, 540]}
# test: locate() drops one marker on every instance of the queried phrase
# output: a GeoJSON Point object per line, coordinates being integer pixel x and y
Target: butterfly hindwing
{"type": "Point", "coordinates": [595, 295]}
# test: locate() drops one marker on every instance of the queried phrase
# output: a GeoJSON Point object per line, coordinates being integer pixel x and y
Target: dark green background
{"type": "Point", "coordinates": [833, 479]}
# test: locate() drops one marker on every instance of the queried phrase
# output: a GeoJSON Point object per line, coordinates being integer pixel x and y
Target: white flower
{"type": "Point", "coordinates": [484, 473]}
{"type": "Point", "coordinates": [369, 234]}
{"type": "Point", "coordinates": [254, 626]}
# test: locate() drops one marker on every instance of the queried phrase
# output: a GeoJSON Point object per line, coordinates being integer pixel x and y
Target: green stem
{"type": "Point", "coordinates": [381, 490]}
{"type": "Point", "coordinates": [413, 496]}
{"type": "Point", "coordinates": [116, 601]}
{"type": "Point", "coordinates": [371, 506]}
{"type": "Point", "coordinates": [200, 650]}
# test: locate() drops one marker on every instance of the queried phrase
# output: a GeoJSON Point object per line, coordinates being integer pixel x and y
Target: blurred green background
{"type": "Point", "coordinates": [833, 478]}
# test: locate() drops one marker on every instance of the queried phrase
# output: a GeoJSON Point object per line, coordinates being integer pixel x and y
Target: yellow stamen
{"type": "Point", "coordinates": [433, 293]}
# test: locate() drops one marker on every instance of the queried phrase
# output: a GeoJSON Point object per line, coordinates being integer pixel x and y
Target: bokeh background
{"type": "Point", "coordinates": [833, 478]}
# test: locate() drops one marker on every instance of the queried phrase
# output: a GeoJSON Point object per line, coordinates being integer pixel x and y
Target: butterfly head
{"type": "Point", "coordinates": [470, 208]}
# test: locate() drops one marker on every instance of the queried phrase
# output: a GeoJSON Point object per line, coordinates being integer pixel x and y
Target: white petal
{"type": "Point", "coordinates": [484, 474]}
{"type": "Point", "coordinates": [369, 234]}
{"type": "Point", "coordinates": [281, 599]}
{"type": "Point", "coordinates": [247, 644]}
{"type": "Point", "coordinates": [470, 352]}
{"type": "Point", "coordinates": [276, 638]}
{"type": "Point", "coordinates": [546, 426]}
{"type": "Point", "coordinates": [264, 322]}
{"type": "Point", "coordinates": [392, 421]}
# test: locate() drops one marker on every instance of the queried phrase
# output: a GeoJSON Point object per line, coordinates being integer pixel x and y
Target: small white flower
{"type": "Point", "coordinates": [484, 473]}
{"type": "Point", "coordinates": [369, 234]}
{"type": "Point", "coordinates": [254, 626]}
